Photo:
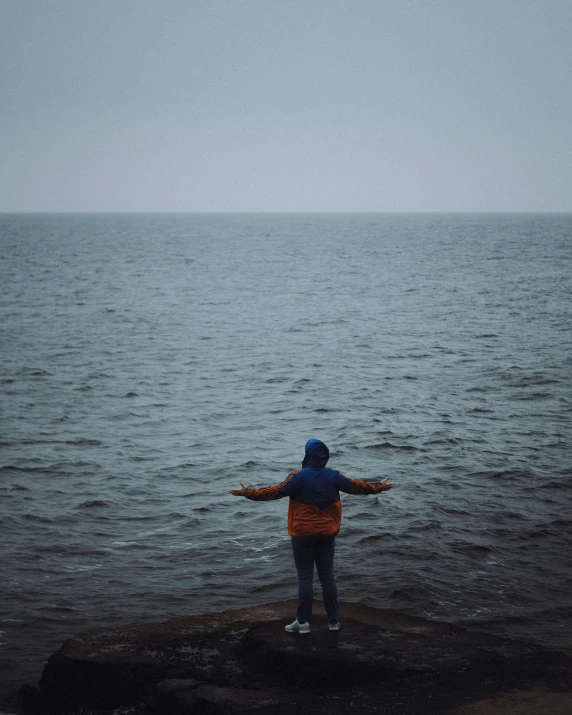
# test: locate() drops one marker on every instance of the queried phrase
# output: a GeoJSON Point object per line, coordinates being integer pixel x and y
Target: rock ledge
{"type": "Point", "coordinates": [244, 662]}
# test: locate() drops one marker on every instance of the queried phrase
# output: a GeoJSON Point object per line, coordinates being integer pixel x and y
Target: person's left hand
{"type": "Point", "coordinates": [238, 492]}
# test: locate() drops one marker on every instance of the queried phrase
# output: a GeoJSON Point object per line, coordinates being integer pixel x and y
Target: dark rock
{"type": "Point", "coordinates": [363, 651]}
{"type": "Point", "coordinates": [244, 661]}
{"type": "Point", "coordinates": [29, 699]}
{"type": "Point", "coordinates": [179, 696]}
{"type": "Point", "coordinates": [105, 668]}
{"type": "Point", "coordinates": [176, 695]}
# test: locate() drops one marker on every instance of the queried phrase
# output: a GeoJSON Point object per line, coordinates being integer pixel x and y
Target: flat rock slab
{"type": "Point", "coordinates": [361, 651]}
{"type": "Point", "coordinates": [244, 661]}
{"type": "Point", "coordinates": [121, 665]}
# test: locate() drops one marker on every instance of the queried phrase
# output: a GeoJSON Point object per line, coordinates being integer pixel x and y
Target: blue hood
{"type": "Point", "coordinates": [317, 454]}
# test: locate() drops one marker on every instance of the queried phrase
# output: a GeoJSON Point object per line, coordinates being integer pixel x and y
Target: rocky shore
{"type": "Point", "coordinates": [244, 662]}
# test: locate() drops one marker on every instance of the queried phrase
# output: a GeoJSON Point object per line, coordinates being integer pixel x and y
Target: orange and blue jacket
{"type": "Point", "coordinates": [315, 507]}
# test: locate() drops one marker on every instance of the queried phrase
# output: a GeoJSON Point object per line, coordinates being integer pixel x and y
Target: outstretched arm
{"type": "Point", "coordinates": [264, 494]}
{"type": "Point", "coordinates": [359, 486]}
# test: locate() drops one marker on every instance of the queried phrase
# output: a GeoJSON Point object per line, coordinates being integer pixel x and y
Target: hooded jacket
{"type": "Point", "coordinates": [315, 507]}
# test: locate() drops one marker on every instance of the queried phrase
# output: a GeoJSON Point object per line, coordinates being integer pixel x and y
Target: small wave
{"type": "Point", "coordinates": [425, 525]}
{"type": "Point", "coordinates": [412, 594]}
{"type": "Point", "coordinates": [538, 532]}
{"type": "Point", "coordinates": [33, 372]}
{"type": "Point", "coordinates": [534, 396]}
{"type": "Point", "coordinates": [372, 538]}
{"type": "Point", "coordinates": [58, 468]}
{"type": "Point", "coordinates": [504, 620]}
{"type": "Point", "coordinates": [38, 518]}
{"type": "Point", "coordinates": [533, 380]}
{"type": "Point", "coordinates": [34, 470]}
{"type": "Point", "coordinates": [138, 518]}
{"type": "Point", "coordinates": [131, 394]}
{"type": "Point", "coordinates": [501, 517]}
{"type": "Point", "coordinates": [468, 548]}
{"type": "Point", "coordinates": [508, 475]}
{"type": "Point", "coordinates": [82, 441]}
{"type": "Point", "coordinates": [398, 447]}
{"type": "Point", "coordinates": [91, 503]}
{"type": "Point", "coordinates": [566, 523]}
{"type": "Point", "coordinates": [451, 510]}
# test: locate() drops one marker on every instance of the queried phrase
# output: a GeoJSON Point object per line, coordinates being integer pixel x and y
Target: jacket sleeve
{"type": "Point", "coordinates": [269, 493]}
{"type": "Point", "coordinates": [358, 486]}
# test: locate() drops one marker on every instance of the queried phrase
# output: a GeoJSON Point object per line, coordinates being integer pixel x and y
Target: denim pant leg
{"type": "Point", "coordinates": [324, 551]}
{"type": "Point", "coordinates": [303, 550]}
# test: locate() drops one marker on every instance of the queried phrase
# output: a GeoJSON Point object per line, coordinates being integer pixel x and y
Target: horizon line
{"type": "Point", "coordinates": [262, 212]}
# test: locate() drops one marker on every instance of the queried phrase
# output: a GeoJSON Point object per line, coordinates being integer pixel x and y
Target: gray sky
{"type": "Point", "coordinates": [286, 105]}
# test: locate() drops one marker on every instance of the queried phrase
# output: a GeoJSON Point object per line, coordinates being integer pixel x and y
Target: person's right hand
{"type": "Point", "coordinates": [386, 485]}
{"type": "Point", "coordinates": [238, 492]}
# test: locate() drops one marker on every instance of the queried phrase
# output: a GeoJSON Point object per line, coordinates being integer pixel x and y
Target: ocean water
{"type": "Point", "coordinates": [149, 363]}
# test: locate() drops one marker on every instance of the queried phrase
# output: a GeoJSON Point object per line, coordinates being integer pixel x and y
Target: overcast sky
{"type": "Point", "coordinates": [286, 105]}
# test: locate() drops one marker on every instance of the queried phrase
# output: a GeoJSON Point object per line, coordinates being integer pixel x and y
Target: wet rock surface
{"type": "Point", "coordinates": [362, 651]}
{"type": "Point", "coordinates": [244, 661]}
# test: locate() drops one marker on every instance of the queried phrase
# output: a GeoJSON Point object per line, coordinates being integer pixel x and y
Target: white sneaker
{"type": "Point", "coordinates": [334, 626]}
{"type": "Point", "coordinates": [297, 627]}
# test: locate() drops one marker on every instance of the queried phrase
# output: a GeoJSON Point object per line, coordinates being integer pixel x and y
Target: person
{"type": "Point", "coordinates": [314, 518]}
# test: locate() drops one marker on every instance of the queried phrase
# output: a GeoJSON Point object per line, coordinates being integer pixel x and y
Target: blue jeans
{"type": "Point", "coordinates": [319, 550]}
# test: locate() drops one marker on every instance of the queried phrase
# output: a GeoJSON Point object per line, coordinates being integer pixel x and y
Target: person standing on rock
{"type": "Point", "coordinates": [314, 518]}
